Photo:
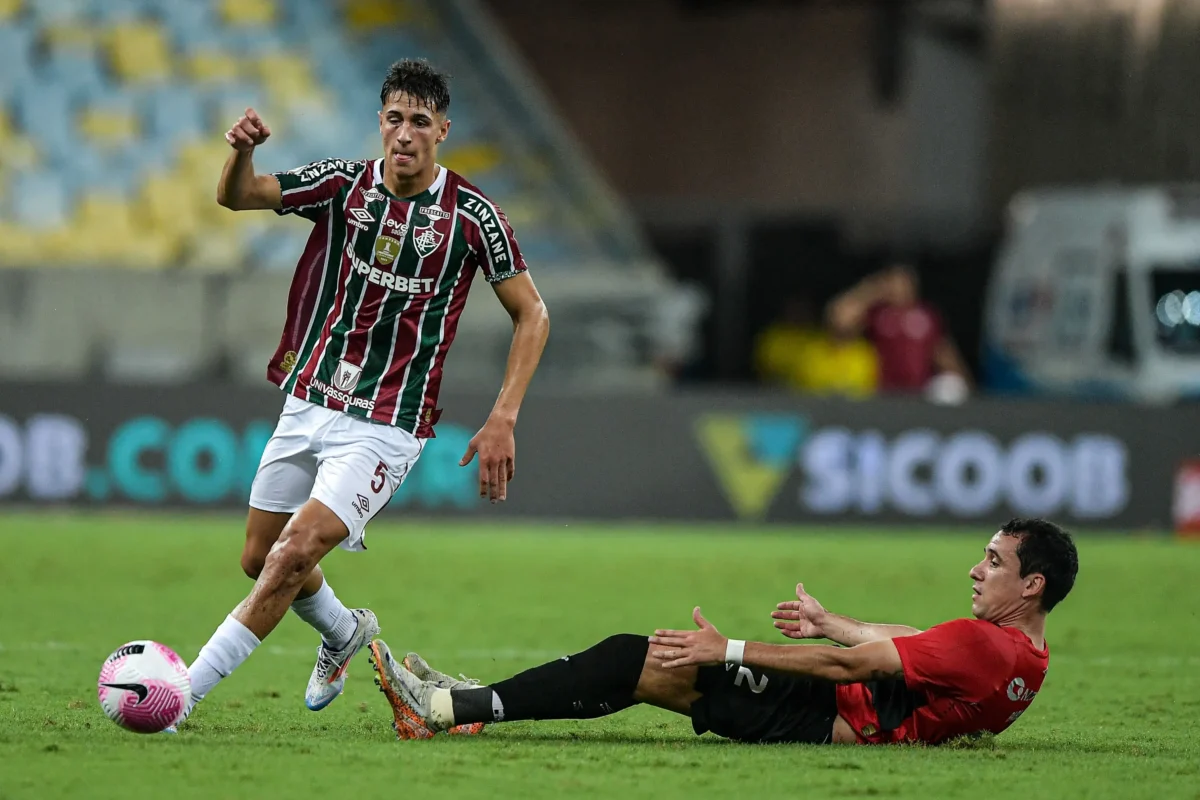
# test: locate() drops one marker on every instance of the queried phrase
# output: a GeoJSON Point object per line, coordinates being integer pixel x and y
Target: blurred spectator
{"type": "Point", "coordinates": [797, 353]}
{"type": "Point", "coordinates": [675, 332]}
{"type": "Point", "coordinates": [916, 353]}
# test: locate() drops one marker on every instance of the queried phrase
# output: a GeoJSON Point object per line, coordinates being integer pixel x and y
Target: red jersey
{"type": "Point", "coordinates": [377, 294]}
{"type": "Point", "coordinates": [961, 677]}
{"type": "Point", "coordinates": [906, 338]}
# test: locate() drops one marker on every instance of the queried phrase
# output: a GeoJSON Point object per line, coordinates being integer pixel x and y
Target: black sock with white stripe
{"type": "Point", "coordinates": [597, 682]}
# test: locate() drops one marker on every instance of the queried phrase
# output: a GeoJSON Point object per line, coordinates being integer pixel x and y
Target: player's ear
{"type": "Point", "coordinates": [1035, 584]}
{"type": "Point", "coordinates": [445, 131]}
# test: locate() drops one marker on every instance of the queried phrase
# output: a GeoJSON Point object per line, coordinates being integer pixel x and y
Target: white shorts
{"type": "Point", "coordinates": [347, 463]}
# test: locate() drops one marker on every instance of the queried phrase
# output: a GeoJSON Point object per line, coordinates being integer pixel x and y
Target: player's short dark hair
{"type": "Point", "coordinates": [1047, 549]}
{"type": "Point", "coordinates": [419, 80]}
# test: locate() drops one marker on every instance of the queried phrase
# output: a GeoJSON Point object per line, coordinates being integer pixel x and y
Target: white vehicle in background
{"type": "Point", "coordinates": [1096, 294]}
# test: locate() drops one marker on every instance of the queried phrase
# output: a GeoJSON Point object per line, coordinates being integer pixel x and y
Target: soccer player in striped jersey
{"type": "Point", "coordinates": [372, 311]}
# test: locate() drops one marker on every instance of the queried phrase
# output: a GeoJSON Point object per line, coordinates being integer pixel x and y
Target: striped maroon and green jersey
{"type": "Point", "coordinates": [381, 285]}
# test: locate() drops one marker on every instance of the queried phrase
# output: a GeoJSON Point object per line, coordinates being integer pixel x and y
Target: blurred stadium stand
{"type": "Point", "coordinates": [123, 265]}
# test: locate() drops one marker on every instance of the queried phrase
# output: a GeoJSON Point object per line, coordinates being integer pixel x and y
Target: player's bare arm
{"type": "Point", "coordinates": [240, 189]}
{"type": "Point", "coordinates": [806, 618]}
{"type": "Point", "coordinates": [847, 312]}
{"type": "Point", "coordinates": [495, 442]}
{"type": "Point", "coordinates": [707, 647]}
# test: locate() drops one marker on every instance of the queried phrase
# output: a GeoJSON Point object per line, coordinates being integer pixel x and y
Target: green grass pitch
{"type": "Point", "coordinates": [1117, 716]}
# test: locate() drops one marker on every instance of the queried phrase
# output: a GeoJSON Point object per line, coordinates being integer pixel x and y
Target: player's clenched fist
{"type": "Point", "coordinates": [248, 132]}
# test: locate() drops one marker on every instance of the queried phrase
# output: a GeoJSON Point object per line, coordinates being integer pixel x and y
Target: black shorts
{"type": "Point", "coordinates": [750, 705]}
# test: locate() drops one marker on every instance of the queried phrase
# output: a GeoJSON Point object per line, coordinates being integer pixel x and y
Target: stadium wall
{"type": "Point", "coordinates": [704, 456]}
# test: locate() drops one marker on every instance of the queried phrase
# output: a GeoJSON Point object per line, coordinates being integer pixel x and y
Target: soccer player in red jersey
{"type": "Point", "coordinates": [373, 308]}
{"type": "Point", "coordinates": [887, 684]}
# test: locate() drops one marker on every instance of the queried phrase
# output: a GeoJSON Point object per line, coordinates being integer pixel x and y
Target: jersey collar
{"type": "Point", "coordinates": [434, 188]}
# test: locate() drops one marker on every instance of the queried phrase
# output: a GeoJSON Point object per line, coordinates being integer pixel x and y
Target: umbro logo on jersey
{"type": "Point", "coordinates": [433, 212]}
{"type": "Point", "coordinates": [359, 217]}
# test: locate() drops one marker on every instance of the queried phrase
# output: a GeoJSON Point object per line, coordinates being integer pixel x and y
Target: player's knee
{"type": "Point", "coordinates": [297, 551]}
{"type": "Point", "coordinates": [252, 563]}
{"type": "Point", "coordinates": [290, 561]}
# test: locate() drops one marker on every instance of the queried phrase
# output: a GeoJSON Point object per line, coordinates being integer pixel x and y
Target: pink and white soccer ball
{"type": "Point", "coordinates": [144, 687]}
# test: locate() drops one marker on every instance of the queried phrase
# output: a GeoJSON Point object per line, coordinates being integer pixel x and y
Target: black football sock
{"type": "Point", "coordinates": [597, 682]}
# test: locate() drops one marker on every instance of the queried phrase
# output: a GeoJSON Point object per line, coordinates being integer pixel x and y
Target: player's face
{"type": "Point", "coordinates": [999, 589]}
{"type": "Point", "coordinates": [411, 132]}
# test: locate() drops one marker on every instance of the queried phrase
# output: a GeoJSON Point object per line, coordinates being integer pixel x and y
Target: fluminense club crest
{"type": "Point", "coordinates": [427, 240]}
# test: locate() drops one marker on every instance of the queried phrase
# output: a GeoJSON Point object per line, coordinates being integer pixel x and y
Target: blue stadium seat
{"type": "Point", "coordinates": [312, 15]}
{"type": "Point", "coordinates": [111, 11]}
{"type": "Point", "coordinates": [79, 70]}
{"type": "Point", "coordinates": [44, 12]}
{"type": "Point", "coordinates": [174, 112]}
{"type": "Point", "coordinates": [16, 57]}
{"type": "Point", "coordinates": [44, 112]}
{"type": "Point", "coordinates": [276, 251]}
{"type": "Point", "coordinates": [185, 20]}
{"type": "Point", "coordinates": [45, 202]}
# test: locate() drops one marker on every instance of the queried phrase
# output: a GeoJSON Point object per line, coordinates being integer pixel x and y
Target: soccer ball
{"type": "Point", "coordinates": [144, 687]}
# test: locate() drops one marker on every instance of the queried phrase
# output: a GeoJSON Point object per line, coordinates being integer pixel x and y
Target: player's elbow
{"type": "Point", "coordinates": [233, 199]}
{"type": "Point", "coordinates": [845, 671]}
{"type": "Point", "coordinates": [535, 315]}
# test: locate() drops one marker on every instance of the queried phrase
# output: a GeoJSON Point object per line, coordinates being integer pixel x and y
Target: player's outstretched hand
{"type": "Point", "coordinates": [802, 618]}
{"type": "Point", "coordinates": [703, 647]}
{"type": "Point", "coordinates": [497, 449]}
{"type": "Point", "coordinates": [248, 132]}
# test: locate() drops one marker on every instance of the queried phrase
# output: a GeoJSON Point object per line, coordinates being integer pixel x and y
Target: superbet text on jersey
{"type": "Point", "coordinates": [378, 293]}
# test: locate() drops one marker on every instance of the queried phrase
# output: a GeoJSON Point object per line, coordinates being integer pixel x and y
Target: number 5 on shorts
{"type": "Point", "coordinates": [381, 478]}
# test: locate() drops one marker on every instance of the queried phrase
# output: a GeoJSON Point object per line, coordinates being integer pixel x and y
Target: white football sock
{"type": "Point", "coordinates": [229, 646]}
{"type": "Point", "coordinates": [328, 615]}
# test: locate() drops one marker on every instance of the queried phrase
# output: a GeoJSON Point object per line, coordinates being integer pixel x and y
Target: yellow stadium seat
{"type": "Point", "coordinates": [472, 159]}
{"type": "Point", "coordinates": [275, 64]}
{"type": "Point", "coordinates": [9, 9]}
{"type": "Point", "coordinates": [150, 251]}
{"type": "Point", "coordinates": [202, 160]}
{"type": "Point", "coordinates": [67, 246]}
{"type": "Point", "coordinates": [140, 52]}
{"type": "Point", "coordinates": [289, 81]}
{"type": "Point", "coordinates": [19, 246]}
{"type": "Point", "coordinates": [166, 203]}
{"type": "Point", "coordinates": [16, 151]}
{"type": "Point", "coordinates": [213, 251]}
{"type": "Point", "coordinates": [70, 36]}
{"type": "Point", "coordinates": [212, 66]}
{"type": "Point", "coordinates": [248, 12]}
{"type": "Point", "coordinates": [108, 128]}
{"type": "Point", "coordinates": [364, 15]}
{"type": "Point", "coordinates": [523, 213]}
{"type": "Point", "coordinates": [99, 210]}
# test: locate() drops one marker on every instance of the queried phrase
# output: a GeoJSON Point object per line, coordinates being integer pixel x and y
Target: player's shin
{"type": "Point", "coordinates": [599, 681]}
